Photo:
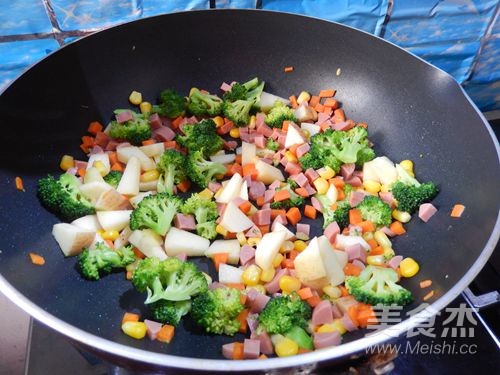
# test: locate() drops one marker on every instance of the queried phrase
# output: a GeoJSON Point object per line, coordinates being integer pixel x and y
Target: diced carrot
{"type": "Point", "coordinates": [327, 110]}
{"type": "Point", "coordinates": [428, 295]}
{"type": "Point", "coordinates": [355, 216]}
{"type": "Point", "coordinates": [170, 144]}
{"type": "Point", "coordinates": [303, 351]}
{"type": "Point", "coordinates": [238, 351]}
{"type": "Point", "coordinates": [275, 213]}
{"type": "Point", "coordinates": [236, 168]}
{"type": "Point", "coordinates": [88, 140]}
{"type": "Point", "coordinates": [19, 183]}
{"type": "Point", "coordinates": [148, 142]}
{"type": "Point", "coordinates": [352, 312]}
{"type": "Point", "coordinates": [310, 211]}
{"type": "Point", "coordinates": [366, 317]}
{"type": "Point", "coordinates": [288, 69]}
{"type": "Point", "coordinates": [238, 159]}
{"type": "Point", "coordinates": [262, 356]}
{"type": "Point", "coordinates": [397, 227]}
{"type": "Point", "coordinates": [326, 93]}
{"type": "Point", "coordinates": [340, 194]}
{"type": "Point", "coordinates": [305, 293]}
{"type": "Point", "coordinates": [177, 122]}
{"type": "Point", "coordinates": [367, 226]}
{"type": "Point", "coordinates": [331, 103]}
{"type": "Point", "coordinates": [243, 298]}
{"type": "Point", "coordinates": [345, 231]}
{"type": "Point", "coordinates": [314, 100]}
{"type": "Point", "coordinates": [128, 275]}
{"type": "Point", "coordinates": [260, 201]}
{"type": "Point", "coordinates": [95, 127]}
{"type": "Point", "coordinates": [319, 107]}
{"type": "Point", "coordinates": [130, 317]}
{"type": "Point", "coordinates": [293, 101]}
{"type": "Point", "coordinates": [184, 186]}
{"type": "Point", "coordinates": [281, 195]}
{"type": "Point", "coordinates": [219, 258]}
{"type": "Point", "coordinates": [37, 259]}
{"type": "Point", "coordinates": [338, 115]}
{"type": "Point", "coordinates": [239, 286]}
{"type": "Point", "coordinates": [338, 182]}
{"type": "Point", "coordinates": [425, 283]}
{"type": "Point", "coordinates": [81, 172]}
{"type": "Point", "coordinates": [293, 254]}
{"type": "Point", "coordinates": [457, 210]}
{"type": "Point", "coordinates": [110, 244]}
{"type": "Point", "coordinates": [343, 290]}
{"type": "Point", "coordinates": [117, 167]}
{"type": "Point", "coordinates": [85, 148]}
{"type": "Point", "coordinates": [313, 301]}
{"type": "Point", "coordinates": [166, 333]}
{"type": "Point", "coordinates": [287, 263]}
{"type": "Point", "coordinates": [230, 236]}
{"type": "Point", "coordinates": [250, 170]}
{"type": "Point", "coordinates": [138, 253]}
{"type": "Point", "coordinates": [373, 244]}
{"type": "Point", "coordinates": [377, 250]}
{"type": "Point", "coordinates": [285, 125]}
{"type": "Point", "coordinates": [242, 318]}
{"type": "Point", "coordinates": [302, 192]}
{"type": "Point", "coordinates": [113, 157]}
{"type": "Point", "coordinates": [293, 215]}
{"type": "Point", "coordinates": [264, 228]}
{"type": "Point", "coordinates": [293, 148]}
{"type": "Point", "coordinates": [245, 207]}
{"type": "Point", "coordinates": [362, 124]}
{"type": "Point", "coordinates": [352, 270]}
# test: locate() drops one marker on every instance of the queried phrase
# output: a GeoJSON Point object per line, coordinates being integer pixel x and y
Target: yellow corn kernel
{"type": "Point", "coordinates": [303, 97]}
{"type": "Point", "coordinates": [267, 275]}
{"type": "Point", "coordinates": [206, 194]}
{"type": "Point", "coordinates": [277, 260]}
{"type": "Point", "coordinates": [332, 327]}
{"type": "Point", "coordinates": [240, 236]}
{"type": "Point", "coordinates": [234, 132]}
{"type": "Point", "coordinates": [291, 157]}
{"type": "Point", "coordinates": [388, 252]}
{"type": "Point", "coordinates": [306, 133]}
{"type": "Point", "coordinates": [382, 239]}
{"type": "Point", "coordinates": [135, 98]}
{"type": "Point", "coordinates": [299, 245]}
{"type": "Point", "coordinates": [67, 162]}
{"type": "Point", "coordinates": [259, 288]}
{"type": "Point", "coordinates": [367, 236]}
{"type": "Point", "coordinates": [375, 260]}
{"type": "Point", "coordinates": [251, 276]}
{"type": "Point", "coordinates": [289, 284]}
{"type": "Point", "coordinates": [137, 330]}
{"type": "Point", "coordinates": [221, 230]}
{"type": "Point", "coordinates": [286, 347]}
{"type": "Point", "coordinates": [145, 108]}
{"type": "Point", "coordinates": [252, 122]}
{"type": "Point", "coordinates": [219, 121]}
{"type": "Point", "coordinates": [384, 188]}
{"type": "Point", "coordinates": [321, 185]}
{"type": "Point", "coordinates": [372, 186]}
{"type": "Point", "coordinates": [151, 175]}
{"type": "Point", "coordinates": [326, 172]}
{"type": "Point", "coordinates": [332, 291]}
{"type": "Point", "coordinates": [407, 165]}
{"type": "Point", "coordinates": [99, 165]}
{"type": "Point", "coordinates": [110, 235]}
{"type": "Point", "coordinates": [287, 247]}
{"type": "Point", "coordinates": [218, 193]}
{"type": "Point", "coordinates": [192, 90]}
{"type": "Point", "coordinates": [401, 216]}
{"type": "Point", "coordinates": [408, 267]}
{"type": "Point", "coordinates": [253, 241]}
{"type": "Point", "coordinates": [252, 210]}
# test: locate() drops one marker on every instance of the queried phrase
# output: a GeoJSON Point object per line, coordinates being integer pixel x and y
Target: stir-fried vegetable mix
{"type": "Point", "coordinates": [239, 177]}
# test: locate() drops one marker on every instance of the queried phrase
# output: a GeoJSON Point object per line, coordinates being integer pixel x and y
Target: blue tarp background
{"type": "Point", "coordinates": [461, 37]}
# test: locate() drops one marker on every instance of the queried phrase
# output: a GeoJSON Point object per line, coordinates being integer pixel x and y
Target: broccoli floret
{"type": "Point", "coordinates": [202, 171]}
{"type": "Point", "coordinates": [283, 313]}
{"type": "Point", "coordinates": [348, 188]}
{"type": "Point", "coordinates": [169, 312]}
{"type": "Point", "coordinates": [295, 200]}
{"type": "Point", "coordinates": [375, 210]}
{"type": "Point", "coordinates": [113, 178]}
{"type": "Point", "coordinates": [217, 310]}
{"type": "Point", "coordinates": [238, 111]}
{"type": "Point", "coordinates": [148, 269]}
{"type": "Point", "coordinates": [102, 260]}
{"type": "Point", "coordinates": [292, 183]}
{"type": "Point", "coordinates": [205, 213]}
{"type": "Point", "coordinates": [155, 212]}
{"type": "Point", "coordinates": [248, 91]}
{"type": "Point", "coordinates": [171, 104]}
{"type": "Point", "coordinates": [172, 168]}
{"type": "Point", "coordinates": [207, 230]}
{"type": "Point", "coordinates": [410, 197]}
{"type": "Point", "coordinates": [272, 145]}
{"type": "Point", "coordinates": [340, 214]}
{"type": "Point", "coordinates": [63, 197]}
{"type": "Point", "coordinates": [279, 112]}
{"type": "Point", "coordinates": [202, 135]}
{"type": "Point", "coordinates": [135, 131]}
{"type": "Point", "coordinates": [201, 104]}
{"type": "Point", "coordinates": [378, 285]}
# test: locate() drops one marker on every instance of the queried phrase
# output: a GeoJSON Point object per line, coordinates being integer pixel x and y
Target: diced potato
{"type": "Point", "coordinates": [229, 274]}
{"type": "Point", "coordinates": [267, 173]}
{"type": "Point", "coordinates": [114, 220]}
{"type": "Point", "coordinates": [342, 241]}
{"type": "Point", "coordinates": [88, 222]}
{"type": "Point", "coordinates": [153, 150]}
{"type": "Point", "coordinates": [180, 241]}
{"type": "Point", "coordinates": [129, 183]}
{"type": "Point", "coordinates": [148, 186]}
{"type": "Point", "coordinates": [294, 136]}
{"type": "Point", "coordinates": [309, 266]}
{"type": "Point", "coordinates": [231, 189]}
{"type": "Point", "coordinates": [380, 169]}
{"type": "Point", "coordinates": [234, 220]}
{"type": "Point", "coordinates": [103, 158]}
{"type": "Point", "coordinates": [311, 128]}
{"type": "Point", "coordinates": [134, 201]}
{"type": "Point", "coordinates": [93, 190]}
{"type": "Point", "coordinates": [278, 227]}
{"type": "Point", "coordinates": [331, 264]}
{"type": "Point", "coordinates": [92, 174]}
{"type": "Point", "coordinates": [267, 249]}
{"type": "Point", "coordinates": [232, 247]}
{"type": "Point", "coordinates": [110, 200]}
{"type": "Point", "coordinates": [248, 152]}
{"type": "Point", "coordinates": [72, 239]}
{"type": "Point", "coordinates": [148, 242]}
{"type": "Point", "coordinates": [223, 158]}
{"type": "Point", "coordinates": [267, 101]}
{"type": "Point", "coordinates": [124, 154]}
{"type": "Point", "coordinates": [244, 191]}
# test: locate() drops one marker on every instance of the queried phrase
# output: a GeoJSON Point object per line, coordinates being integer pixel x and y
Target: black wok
{"type": "Point", "coordinates": [414, 111]}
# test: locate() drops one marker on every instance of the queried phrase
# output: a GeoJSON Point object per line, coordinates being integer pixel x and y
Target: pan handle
{"type": "Point", "coordinates": [482, 301]}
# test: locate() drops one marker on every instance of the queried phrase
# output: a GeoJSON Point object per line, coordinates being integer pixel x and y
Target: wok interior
{"type": "Point", "coordinates": [413, 110]}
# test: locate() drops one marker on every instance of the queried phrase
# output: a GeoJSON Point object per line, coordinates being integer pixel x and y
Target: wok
{"type": "Point", "coordinates": [414, 111]}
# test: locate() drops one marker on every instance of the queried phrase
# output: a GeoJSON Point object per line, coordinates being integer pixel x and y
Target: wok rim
{"type": "Point", "coordinates": [223, 365]}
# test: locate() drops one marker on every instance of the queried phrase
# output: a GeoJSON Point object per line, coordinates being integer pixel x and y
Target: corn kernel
{"type": "Point", "coordinates": [137, 330]}
{"type": "Point", "coordinates": [303, 97]}
{"type": "Point", "coordinates": [388, 253]}
{"type": "Point", "coordinates": [253, 241]}
{"type": "Point", "coordinates": [287, 247]}
{"type": "Point", "coordinates": [291, 157]}
{"type": "Point", "coordinates": [367, 236]}
{"type": "Point", "coordinates": [372, 186]}
{"type": "Point", "coordinates": [218, 193]}
{"type": "Point", "coordinates": [321, 185]}
{"type": "Point", "coordinates": [252, 210]}
{"type": "Point", "coordinates": [382, 239]}
{"type": "Point", "coordinates": [67, 162]}
{"type": "Point", "coordinates": [408, 267]}
{"type": "Point", "coordinates": [375, 260]}
{"type": "Point", "coordinates": [407, 165]}
{"type": "Point", "coordinates": [251, 276]}
{"type": "Point", "coordinates": [219, 121]}
{"type": "Point", "coordinates": [326, 172]}
{"type": "Point", "coordinates": [192, 90]}
{"type": "Point", "coordinates": [401, 216]}
{"type": "Point", "coordinates": [221, 230]}
{"type": "Point", "coordinates": [110, 235]}
{"type": "Point", "coordinates": [135, 98]}
{"type": "Point", "coordinates": [145, 108]}
{"type": "Point", "coordinates": [336, 325]}
{"type": "Point", "coordinates": [99, 165]}
{"type": "Point", "coordinates": [385, 188]}
{"type": "Point", "coordinates": [306, 133]}
{"type": "Point", "coordinates": [299, 245]}
{"type": "Point", "coordinates": [151, 175]}
{"type": "Point", "coordinates": [240, 236]}
{"type": "Point", "coordinates": [277, 260]}
{"type": "Point", "coordinates": [286, 347]}
{"type": "Point", "coordinates": [206, 194]}
{"type": "Point", "coordinates": [289, 284]}
{"type": "Point", "coordinates": [332, 291]}
{"type": "Point", "coordinates": [259, 288]}
{"type": "Point", "coordinates": [267, 275]}
{"type": "Point", "coordinates": [234, 132]}
{"type": "Point", "coordinates": [253, 122]}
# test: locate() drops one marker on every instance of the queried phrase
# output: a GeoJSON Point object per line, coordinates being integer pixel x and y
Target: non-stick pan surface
{"type": "Point", "coordinates": [414, 111]}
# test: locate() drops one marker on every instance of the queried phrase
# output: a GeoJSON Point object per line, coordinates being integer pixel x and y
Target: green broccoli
{"type": "Point", "coordinates": [378, 285]}
{"type": "Point", "coordinates": [217, 310]}
{"type": "Point", "coordinates": [172, 168]}
{"type": "Point", "coordinates": [202, 171]}
{"type": "Point", "coordinates": [249, 91]}
{"type": "Point", "coordinates": [102, 260]}
{"type": "Point", "coordinates": [375, 210]}
{"type": "Point", "coordinates": [205, 213]}
{"type": "Point", "coordinates": [279, 112]}
{"type": "Point", "coordinates": [202, 135]}
{"type": "Point", "coordinates": [155, 212]}
{"type": "Point", "coordinates": [410, 197]}
{"type": "Point", "coordinates": [135, 131]}
{"type": "Point", "coordinates": [348, 188]}
{"type": "Point", "coordinates": [283, 313]}
{"type": "Point", "coordinates": [169, 312]}
{"type": "Point", "coordinates": [340, 214]}
{"type": "Point", "coordinates": [171, 104]}
{"type": "Point", "coordinates": [295, 200]}
{"type": "Point", "coordinates": [201, 104]}
{"type": "Point", "coordinates": [301, 337]}
{"type": "Point", "coordinates": [148, 269]}
{"type": "Point", "coordinates": [293, 185]}
{"type": "Point", "coordinates": [272, 145]}
{"type": "Point", "coordinates": [238, 111]}
{"type": "Point", "coordinates": [63, 197]}
{"type": "Point", "coordinates": [113, 178]}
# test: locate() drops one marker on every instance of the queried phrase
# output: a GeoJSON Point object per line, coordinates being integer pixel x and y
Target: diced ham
{"type": "Point", "coordinates": [230, 145]}
{"type": "Point", "coordinates": [426, 211]}
{"type": "Point", "coordinates": [293, 168]}
{"type": "Point", "coordinates": [354, 181]}
{"type": "Point", "coordinates": [265, 130]}
{"type": "Point", "coordinates": [262, 217]}
{"type": "Point", "coordinates": [214, 186]}
{"type": "Point", "coordinates": [102, 139]}
{"type": "Point", "coordinates": [300, 179]}
{"type": "Point", "coordinates": [247, 137]}
{"type": "Point", "coordinates": [348, 323]}
{"type": "Point", "coordinates": [220, 208]}
{"type": "Point", "coordinates": [225, 87]}
{"type": "Point", "coordinates": [111, 146]}
{"type": "Point", "coordinates": [266, 345]}
{"type": "Point", "coordinates": [322, 313]}
{"type": "Point", "coordinates": [227, 350]}
{"type": "Point", "coordinates": [316, 204]}
{"type": "Point", "coordinates": [185, 222]}
{"type": "Point", "coordinates": [303, 228]}
{"type": "Point", "coordinates": [276, 184]}
{"type": "Point", "coordinates": [72, 171]}
{"type": "Point", "coordinates": [260, 117]}
{"type": "Point", "coordinates": [268, 196]}
{"type": "Point", "coordinates": [324, 340]}
{"type": "Point", "coordinates": [247, 253]}
{"type": "Point", "coordinates": [275, 134]}
{"type": "Point", "coordinates": [238, 201]}
{"type": "Point", "coordinates": [155, 121]}
{"type": "Point", "coordinates": [266, 206]}
{"type": "Point", "coordinates": [284, 161]}
{"type": "Point", "coordinates": [336, 313]}
{"type": "Point", "coordinates": [274, 285]}
{"type": "Point", "coordinates": [80, 164]}
{"type": "Point", "coordinates": [355, 251]}
{"type": "Point", "coordinates": [346, 170]}
{"type": "Point", "coordinates": [96, 150]}
{"type": "Point", "coordinates": [253, 232]}
{"type": "Point", "coordinates": [387, 197]}
{"type": "Point", "coordinates": [256, 189]}
{"type": "Point", "coordinates": [181, 256]}
{"type": "Point", "coordinates": [344, 125]}
{"type": "Point", "coordinates": [251, 349]}
{"type": "Point", "coordinates": [388, 231]}
{"type": "Point", "coordinates": [123, 144]}
{"type": "Point", "coordinates": [259, 302]}
{"type": "Point", "coordinates": [394, 261]}
{"type": "Point", "coordinates": [153, 328]}
{"type": "Point", "coordinates": [260, 141]}
{"type": "Point", "coordinates": [302, 150]}
{"type": "Point", "coordinates": [359, 263]}
{"type": "Point", "coordinates": [358, 174]}
{"type": "Point", "coordinates": [343, 303]}
{"type": "Point", "coordinates": [322, 117]}
{"type": "Point", "coordinates": [311, 175]}
{"type": "Point", "coordinates": [331, 231]}
{"type": "Point", "coordinates": [225, 128]}
{"type": "Point", "coordinates": [124, 117]}
{"type": "Point", "coordinates": [165, 121]}
{"type": "Point", "coordinates": [164, 134]}
{"type": "Point", "coordinates": [281, 140]}
{"type": "Point", "coordinates": [253, 322]}
{"type": "Point", "coordinates": [310, 190]}
{"type": "Point", "coordinates": [356, 198]}
{"type": "Point", "coordinates": [280, 219]}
